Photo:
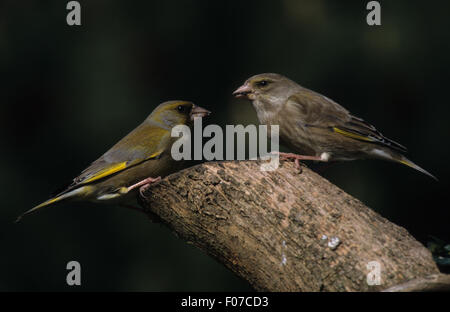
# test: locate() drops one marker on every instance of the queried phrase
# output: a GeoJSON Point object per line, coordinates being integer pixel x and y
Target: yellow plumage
{"type": "Point", "coordinates": [143, 153]}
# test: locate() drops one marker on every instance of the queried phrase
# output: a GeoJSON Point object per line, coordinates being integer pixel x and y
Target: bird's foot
{"type": "Point", "coordinates": [144, 184]}
{"type": "Point", "coordinates": [297, 158]}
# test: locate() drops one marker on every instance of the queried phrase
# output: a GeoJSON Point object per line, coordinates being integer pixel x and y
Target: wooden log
{"type": "Point", "coordinates": [284, 230]}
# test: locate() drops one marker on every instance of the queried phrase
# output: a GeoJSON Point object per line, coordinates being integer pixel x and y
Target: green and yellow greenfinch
{"type": "Point", "coordinates": [140, 158]}
{"type": "Point", "coordinates": [316, 126]}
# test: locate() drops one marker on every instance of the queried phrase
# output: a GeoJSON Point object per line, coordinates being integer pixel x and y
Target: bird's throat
{"type": "Point", "coordinates": [265, 111]}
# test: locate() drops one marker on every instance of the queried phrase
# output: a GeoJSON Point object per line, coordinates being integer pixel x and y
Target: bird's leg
{"type": "Point", "coordinates": [297, 158]}
{"type": "Point", "coordinates": [144, 184]}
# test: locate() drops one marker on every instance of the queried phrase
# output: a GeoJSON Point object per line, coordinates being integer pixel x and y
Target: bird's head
{"type": "Point", "coordinates": [267, 87]}
{"type": "Point", "coordinates": [172, 113]}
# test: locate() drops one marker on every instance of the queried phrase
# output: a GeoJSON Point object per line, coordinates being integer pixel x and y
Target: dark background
{"type": "Point", "coordinates": [69, 93]}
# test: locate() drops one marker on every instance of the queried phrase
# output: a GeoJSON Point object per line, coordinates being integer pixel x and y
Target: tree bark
{"type": "Point", "coordinates": [284, 230]}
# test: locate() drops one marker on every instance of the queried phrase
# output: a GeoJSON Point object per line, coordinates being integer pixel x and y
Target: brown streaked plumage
{"type": "Point", "coordinates": [316, 126]}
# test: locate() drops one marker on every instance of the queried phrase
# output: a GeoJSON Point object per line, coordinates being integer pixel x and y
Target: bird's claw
{"type": "Point", "coordinates": [144, 184]}
{"type": "Point", "coordinates": [298, 165]}
{"type": "Point", "coordinates": [145, 187]}
{"type": "Point", "coordinates": [296, 158]}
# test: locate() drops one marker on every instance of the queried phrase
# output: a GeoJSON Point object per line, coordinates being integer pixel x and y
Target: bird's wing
{"type": "Point", "coordinates": [321, 112]}
{"type": "Point", "coordinates": [142, 144]}
{"type": "Point", "coordinates": [361, 130]}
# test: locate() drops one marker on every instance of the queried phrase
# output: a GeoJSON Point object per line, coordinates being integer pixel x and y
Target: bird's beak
{"type": "Point", "coordinates": [198, 111]}
{"type": "Point", "coordinates": [243, 91]}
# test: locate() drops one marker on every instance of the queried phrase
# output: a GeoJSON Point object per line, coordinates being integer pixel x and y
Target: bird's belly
{"type": "Point", "coordinates": [107, 190]}
{"type": "Point", "coordinates": [299, 147]}
{"type": "Point", "coordinates": [297, 139]}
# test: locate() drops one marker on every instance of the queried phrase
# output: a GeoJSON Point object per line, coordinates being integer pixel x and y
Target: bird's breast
{"type": "Point", "coordinates": [291, 132]}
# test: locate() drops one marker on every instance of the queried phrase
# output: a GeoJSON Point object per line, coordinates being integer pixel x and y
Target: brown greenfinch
{"type": "Point", "coordinates": [316, 126]}
{"type": "Point", "coordinates": [136, 161]}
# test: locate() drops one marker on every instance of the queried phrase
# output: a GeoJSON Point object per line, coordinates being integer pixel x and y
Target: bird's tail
{"type": "Point", "coordinates": [56, 199]}
{"type": "Point", "coordinates": [405, 161]}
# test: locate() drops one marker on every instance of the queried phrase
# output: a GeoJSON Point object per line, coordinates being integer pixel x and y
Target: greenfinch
{"type": "Point", "coordinates": [136, 161]}
{"type": "Point", "coordinates": [316, 126]}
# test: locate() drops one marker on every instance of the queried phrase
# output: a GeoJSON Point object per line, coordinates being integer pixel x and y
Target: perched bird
{"type": "Point", "coordinates": [136, 161]}
{"type": "Point", "coordinates": [316, 126]}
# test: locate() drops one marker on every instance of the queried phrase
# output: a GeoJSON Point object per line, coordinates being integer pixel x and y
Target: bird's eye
{"type": "Point", "coordinates": [262, 83]}
{"type": "Point", "coordinates": [180, 108]}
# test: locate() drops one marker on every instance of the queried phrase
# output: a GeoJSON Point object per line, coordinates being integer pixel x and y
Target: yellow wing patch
{"type": "Point", "coordinates": [107, 171]}
{"type": "Point", "coordinates": [114, 168]}
{"type": "Point", "coordinates": [352, 135]}
{"type": "Point", "coordinates": [154, 155]}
